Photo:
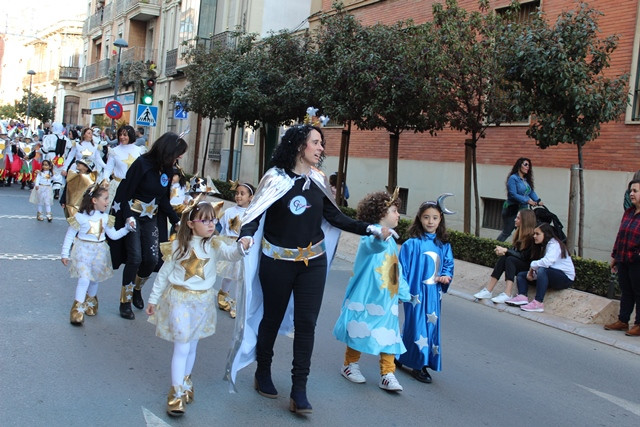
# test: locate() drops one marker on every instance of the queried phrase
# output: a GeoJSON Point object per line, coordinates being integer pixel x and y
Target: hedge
{"type": "Point", "coordinates": [591, 275]}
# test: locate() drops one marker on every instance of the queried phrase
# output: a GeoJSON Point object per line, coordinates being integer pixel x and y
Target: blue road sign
{"type": "Point", "coordinates": [179, 112]}
{"type": "Point", "coordinates": [146, 115]}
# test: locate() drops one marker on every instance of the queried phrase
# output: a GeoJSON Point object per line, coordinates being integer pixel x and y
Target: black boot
{"type": "Point", "coordinates": [56, 194]}
{"type": "Point", "coordinates": [125, 311]}
{"type": "Point", "coordinates": [137, 300]}
{"type": "Point", "coordinates": [299, 402]}
{"type": "Point", "coordinates": [264, 385]}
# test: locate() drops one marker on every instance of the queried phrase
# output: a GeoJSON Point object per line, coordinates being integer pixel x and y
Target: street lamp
{"type": "Point", "coordinates": [119, 43]}
{"type": "Point", "coordinates": [31, 74]}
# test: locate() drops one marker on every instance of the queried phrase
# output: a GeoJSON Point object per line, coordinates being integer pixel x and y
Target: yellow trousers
{"type": "Point", "coordinates": [386, 360]}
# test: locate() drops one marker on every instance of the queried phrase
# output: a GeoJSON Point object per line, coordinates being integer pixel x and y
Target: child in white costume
{"type": "Point", "coordinates": [42, 193]}
{"type": "Point", "coordinates": [230, 227]}
{"type": "Point", "coordinates": [90, 257]}
{"type": "Point", "coordinates": [182, 302]}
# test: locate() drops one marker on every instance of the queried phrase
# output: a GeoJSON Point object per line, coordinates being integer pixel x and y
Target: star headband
{"type": "Point", "coordinates": [393, 199]}
{"type": "Point", "coordinates": [440, 203]}
{"type": "Point", "coordinates": [236, 184]}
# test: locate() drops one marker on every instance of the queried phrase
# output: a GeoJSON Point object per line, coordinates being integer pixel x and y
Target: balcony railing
{"type": "Point", "coordinates": [95, 71]}
{"type": "Point", "coordinates": [69, 73]}
{"type": "Point", "coordinates": [170, 61]}
{"type": "Point", "coordinates": [225, 38]}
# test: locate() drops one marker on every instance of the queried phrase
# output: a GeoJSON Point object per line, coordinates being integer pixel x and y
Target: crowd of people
{"type": "Point", "coordinates": [272, 251]}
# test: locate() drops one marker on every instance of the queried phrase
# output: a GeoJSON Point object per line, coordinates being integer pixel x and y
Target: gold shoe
{"type": "Point", "coordinates": [175, 401]}
{"type": "Point", "coordinates": [187, 386]}
{"type": "Point", "coordinates": [91, 304]}
{"type": "Point", "coordinates": [223, 300]}
{"type": "Point", "coordinates": [76, 316]}
{"type": "Point", "coordinates": [49, 217]}
{"type": "Point", "coordinates": [39, 217]}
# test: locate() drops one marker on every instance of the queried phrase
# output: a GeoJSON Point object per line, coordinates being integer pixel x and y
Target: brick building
{"type": "Point", "coordinates": [430, 165]}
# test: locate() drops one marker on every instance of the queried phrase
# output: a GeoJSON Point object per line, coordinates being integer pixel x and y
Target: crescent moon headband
{"type": "Point", "coordinates": [439, 203]}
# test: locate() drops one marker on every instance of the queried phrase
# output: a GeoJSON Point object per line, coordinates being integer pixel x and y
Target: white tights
{"type": "Point", "coordinates": [86, 287]}
{"type": "Point", "coordinates": [225, 285]}
{"type": "Point", "coordinates": [47, 207]}
{"type": "Point", "coordinates": [184, 355]}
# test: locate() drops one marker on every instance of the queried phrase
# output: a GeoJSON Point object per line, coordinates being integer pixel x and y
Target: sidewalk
{"type": "Point", "coordinates": [569, 310]}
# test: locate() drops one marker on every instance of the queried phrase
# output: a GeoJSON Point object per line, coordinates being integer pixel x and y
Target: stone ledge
{"type": "Point", "coordinates": [469, 278]}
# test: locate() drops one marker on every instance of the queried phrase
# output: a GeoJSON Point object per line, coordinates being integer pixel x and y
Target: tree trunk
{"type": "Point", "coordinates": [342, 162]}
{"type": "Point", "coordinates": [468, 160]}
{"type": "Point", "coordinates": [196, 150]}
{"type": "Point", "coordinates": [232, 145]}
{"type": "Point", "coordinates": [581, 214]}
{"type": "Point", "coordinates": [394, 139]}
{"type": "Point", "coordinates": [206, 145]}
{"type": "Point", "coordinates": [474, 169]}
{"type": "Point", "coordinates": [262, 147]}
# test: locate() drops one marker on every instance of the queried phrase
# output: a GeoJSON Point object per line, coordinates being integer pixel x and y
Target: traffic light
{"type": "Point", "coordinates": [148, 88]}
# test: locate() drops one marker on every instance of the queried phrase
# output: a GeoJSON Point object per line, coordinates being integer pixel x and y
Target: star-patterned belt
{"type": "Point", "coordinates": [295, 254]}
{"type": "Point", "coordinates": [144, 209]}
{"type": "Point", "coordinates": [191, 291]}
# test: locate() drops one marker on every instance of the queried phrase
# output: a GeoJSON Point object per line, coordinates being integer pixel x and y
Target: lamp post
{"type": "Point", "coordinates": [31, 74]}
{"type": "Point", "coordinates": [119, 43]}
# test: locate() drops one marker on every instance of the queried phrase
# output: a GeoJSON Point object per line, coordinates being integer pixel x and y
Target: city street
{"type": "Point", "coordinates": [498, 369]}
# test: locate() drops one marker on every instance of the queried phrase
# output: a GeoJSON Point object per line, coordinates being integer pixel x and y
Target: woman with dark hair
{"type": "Point", "coordinates": [86, 149]}
{"type": "Point", "coordinates": [552, 268]}
{"type": "Point", "coordinates": [144, 195]}
{"type": "Point", "coordinates": [120, 158]}
{"type": "Point", "coordinates": [625, 260]}
{"type": "Point", "coordinates": [520, 195]}
{"type": "Point", "coordinates": [291, 219]}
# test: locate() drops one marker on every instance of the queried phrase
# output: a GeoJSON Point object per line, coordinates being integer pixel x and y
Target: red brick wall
{"type": "Point", "coordinates": [617, 148]}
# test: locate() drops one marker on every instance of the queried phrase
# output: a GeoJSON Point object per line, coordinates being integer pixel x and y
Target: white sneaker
{"type": "Point", "coordinates": [501, 299]}
{"type": "Point", "coordinates": [389, 382]}
{"type": "Point", "coordinates": [352, 373]}
{"type": "Point", "coordinates": [483, 294]}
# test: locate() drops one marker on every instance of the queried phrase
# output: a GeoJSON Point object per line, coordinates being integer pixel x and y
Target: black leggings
{"type": "Point", "coordinates": [510, 266]}
{"type": "Point", "coordinates": [279, 279]}
{"type": "Point", "coordinates": [142, 250]}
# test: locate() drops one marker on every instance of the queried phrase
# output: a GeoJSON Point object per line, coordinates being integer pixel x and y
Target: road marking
{"type": "Point", "coordinates": [28, 217]}
{"type": "Point", "coordinates": [152, 419]}
{"type": "Point", "coordinates": [624, 404]}
{"type": "Point", "coordinates": [30, 257]}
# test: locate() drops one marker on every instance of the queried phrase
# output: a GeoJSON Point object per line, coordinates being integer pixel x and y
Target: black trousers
{"type": "Point", "coordinates": [510, 266]}
{"type": "Point", "coordinates": [629, 279]}
{"type": "Point", "coordinates": [279, 279]}
{"type": "Point", "coordinates": [142, 250]}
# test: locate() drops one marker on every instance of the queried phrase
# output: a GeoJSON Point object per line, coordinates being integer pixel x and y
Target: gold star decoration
{"type": "Point", "coordinates": [86, 153]}
{"type": "Point", "coordinates": [128, 160]}
{"type": "Point", "coordinates": [234, 224]}
{"type": "Point", "coordinates": [95, 228]}
{"type": "Point", "coordinates": [174, 192]}
{"type": "Point", "coordinates": [301, 254]}
{"type": "Point", "coordinates": [389, 272]}
{"type": "Point", "coordinates": [194, 266]}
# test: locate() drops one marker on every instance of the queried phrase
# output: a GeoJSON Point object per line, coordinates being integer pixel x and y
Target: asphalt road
{"type": "Point", "coordinates": [498, 369]}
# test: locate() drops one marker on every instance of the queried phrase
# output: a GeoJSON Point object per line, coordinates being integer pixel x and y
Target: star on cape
{"type": "Point", "coordinates": [95, 228]}
{"type": "Point", "coordinates": [422, 342]}
{"type": "Point", "coordinates": [116, 206]}
{"type": "Point", "coordinates": [193, 266]}
{"type": "Point", "coordinates": [234, 224]}
{"type": "Point", "coordinates": [435, 349]}
{"type": "Point", "coordinates": [415, 300]}
{"type": "Point", "coordinates": [148, 209]}
{"type": "Point", "coordinates": [432, 318]}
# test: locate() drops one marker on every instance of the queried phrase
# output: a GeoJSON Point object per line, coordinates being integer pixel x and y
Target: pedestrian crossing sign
{"type": "Point", "coordinates": [146, 115]}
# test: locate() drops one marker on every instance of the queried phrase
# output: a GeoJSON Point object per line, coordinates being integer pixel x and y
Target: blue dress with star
{"type": "Point", "coordinates": [422, 260]}
{"type": "Point", "coordinates": [368, 321]}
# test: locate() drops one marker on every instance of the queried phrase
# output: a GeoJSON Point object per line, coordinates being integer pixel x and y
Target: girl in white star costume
{"type": "Point", "coordinates": [182, 302]}
{"type": "Point", "coordinates": [120, 158]}
{"type": "Point", "coordinates": [89, 259]}
{"type": "Point", "coordinates": [85, 148]}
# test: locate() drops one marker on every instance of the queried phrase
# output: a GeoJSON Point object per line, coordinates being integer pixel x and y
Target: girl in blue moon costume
{"type": "Point", "coordinates": [427, 263]}
{"type": "Point", "coordinates": [369, 321]}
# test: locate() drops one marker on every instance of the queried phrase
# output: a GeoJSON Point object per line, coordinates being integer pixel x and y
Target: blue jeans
{"type": "Point", "coordinates": [547, 277]}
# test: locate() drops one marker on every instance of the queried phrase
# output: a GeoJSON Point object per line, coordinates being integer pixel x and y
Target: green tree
{"type": "Point", "coordinates": [41, 109]}
{"type": "Point", "coordinates": [337, 67]}
{"type": "Point", "coordinates": [561, 69]}
{"type": "Point", "coordinates": [473, 84]}
{"type": "Point", "coordinates": [398, 74]}
{"type": "Point", "coordinates": [8, 111]}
